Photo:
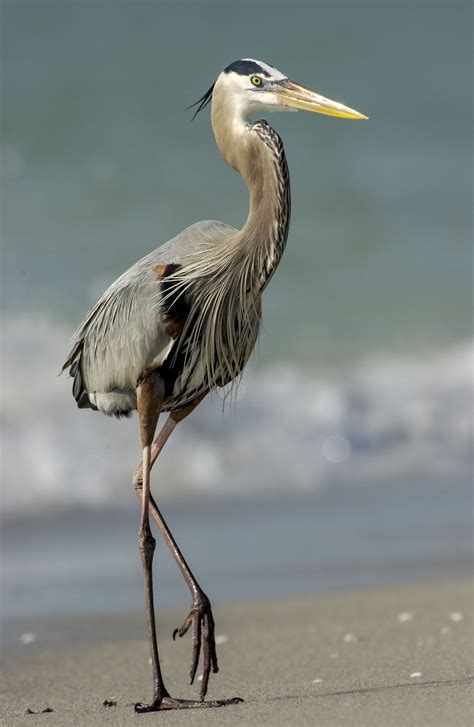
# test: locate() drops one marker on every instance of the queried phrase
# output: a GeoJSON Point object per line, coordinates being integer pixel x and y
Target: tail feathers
{"type": "Point", "coordinates": [80, 394]}
{"type": "Point", "coordinates": [113, 403]}
{"type": "Point", "coordinates": [78, 391]}
{"type": "Point", "coordinates": [71, 359]}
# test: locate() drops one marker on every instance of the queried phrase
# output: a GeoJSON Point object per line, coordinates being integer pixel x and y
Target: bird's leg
{"type": "Point", "coordinates": [200, 616]}
{"type": "Point", "coordinates": [150, 396]}
{"type": "Point", "coordinates": [163, 436]}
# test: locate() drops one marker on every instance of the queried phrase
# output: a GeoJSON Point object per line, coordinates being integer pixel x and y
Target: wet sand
{"type": "Point", "coordinates": [394, 657]}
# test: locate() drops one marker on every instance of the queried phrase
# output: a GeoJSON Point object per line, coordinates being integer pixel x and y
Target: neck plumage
{"type": "Point", "coordinates": [256, 152]}
{"type": "Point", "coordinates": [224, 279]}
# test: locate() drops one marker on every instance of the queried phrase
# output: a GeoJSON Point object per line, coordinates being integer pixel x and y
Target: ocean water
{"type": "Point", "coordinates": [363, 371]}
{"type": "Point", "coordinates": [290, 430]}
{"type": "Point", "coordinates": [365, 358]}
{"type": "Point", "coordinates": [85, 560]}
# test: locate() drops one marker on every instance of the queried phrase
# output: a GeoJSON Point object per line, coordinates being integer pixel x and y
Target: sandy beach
{"type": "Point", "coordinates": [399, 656]}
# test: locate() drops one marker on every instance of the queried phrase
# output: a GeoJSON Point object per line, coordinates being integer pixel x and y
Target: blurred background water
{"type": "Point", "coordinates": [363, 373]}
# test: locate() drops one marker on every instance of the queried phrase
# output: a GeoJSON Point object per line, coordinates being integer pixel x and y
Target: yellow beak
{"type": "Point", "coordinates": [298, 97]}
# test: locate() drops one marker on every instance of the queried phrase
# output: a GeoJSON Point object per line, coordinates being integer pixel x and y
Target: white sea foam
{"type": "Point", "coordinates": [386, 418]}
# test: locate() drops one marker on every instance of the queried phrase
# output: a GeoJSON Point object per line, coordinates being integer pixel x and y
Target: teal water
{"type": "Point", "coordinates": [84, 561]}
{"type": "Point", "coordinates": [364, 364]}
{"type": "Point", "coordinates": [100, 162]}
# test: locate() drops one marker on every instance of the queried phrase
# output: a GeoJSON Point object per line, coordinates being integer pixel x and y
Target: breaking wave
{"type": "Point", "coordinates": [385, 418]}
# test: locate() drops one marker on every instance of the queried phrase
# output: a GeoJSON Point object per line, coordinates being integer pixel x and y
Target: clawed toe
{"type": "Point", "coordinates": [201, 623]}
{"type": "Point", "coordinates": [141, 708]}
{"type": "Point", "coordinates": [167, 703]}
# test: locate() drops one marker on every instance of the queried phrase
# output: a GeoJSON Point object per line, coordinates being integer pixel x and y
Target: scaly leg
{"type": "Point", "coordinates": [150, 399]}
{"type": "Point", "coordinates": [150, 396]}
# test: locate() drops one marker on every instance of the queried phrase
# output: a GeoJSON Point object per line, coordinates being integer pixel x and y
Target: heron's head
{"type": "Point", "coordinates": [250, 86]}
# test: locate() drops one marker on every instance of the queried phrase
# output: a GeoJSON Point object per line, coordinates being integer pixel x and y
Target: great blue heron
{"type": "Point", "coordinates": [184, 319]}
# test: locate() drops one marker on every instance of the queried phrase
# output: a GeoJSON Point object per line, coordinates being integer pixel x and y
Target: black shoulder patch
{"type": "Point", "coordinates": [245, 68]}
{"type": "Point", "coordinates": [174, 303]}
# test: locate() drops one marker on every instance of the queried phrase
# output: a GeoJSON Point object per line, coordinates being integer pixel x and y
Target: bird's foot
{"type": "Point", "coordinates": [165, 703]}
{"type": "Point", "coordinates": [201, 623]}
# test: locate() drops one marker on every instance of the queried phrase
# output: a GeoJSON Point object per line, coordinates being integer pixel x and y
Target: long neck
{"type": "Point", "coordinates": [256, 151]}
{"type": "Point", "coordinates": [223, 279]}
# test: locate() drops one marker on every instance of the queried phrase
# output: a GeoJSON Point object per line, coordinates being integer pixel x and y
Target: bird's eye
{"type": "Point", "coordinates": [256, 80]}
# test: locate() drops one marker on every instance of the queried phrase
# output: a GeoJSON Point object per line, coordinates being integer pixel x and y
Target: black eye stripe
{"type": "Point", "coordinates": [246, 68]}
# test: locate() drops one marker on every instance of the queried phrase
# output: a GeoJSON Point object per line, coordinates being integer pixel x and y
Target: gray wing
{"type": "Point", "coordinates": [124, 332]}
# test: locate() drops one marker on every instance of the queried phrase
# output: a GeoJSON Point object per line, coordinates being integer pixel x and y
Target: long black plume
{"type": "Point", "coordinates": [202, 102]}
